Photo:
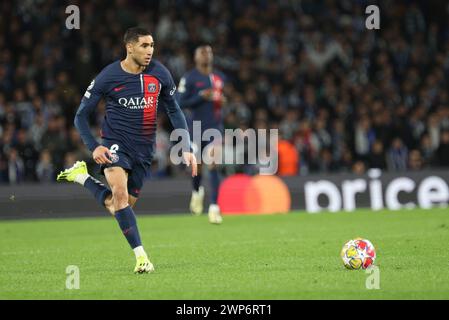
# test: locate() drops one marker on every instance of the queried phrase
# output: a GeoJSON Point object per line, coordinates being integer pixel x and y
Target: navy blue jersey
{"type": "Point", "coordinates": [131, 105]}
{"type": "Point", "coordinates": [208, 112]}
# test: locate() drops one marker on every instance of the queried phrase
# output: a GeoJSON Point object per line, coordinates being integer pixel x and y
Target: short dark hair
{"type": "Point", "coordinates": [133, 34]}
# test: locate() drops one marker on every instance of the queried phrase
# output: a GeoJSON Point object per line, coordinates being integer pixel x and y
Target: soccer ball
{"type": "Point", "coordinates": [358, 254]}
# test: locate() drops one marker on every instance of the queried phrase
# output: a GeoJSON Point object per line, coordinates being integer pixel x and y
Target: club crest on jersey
{"type": "Point", "coordinates": [152, 88]}
{"type": "Point", "coordinates": [114, 158]}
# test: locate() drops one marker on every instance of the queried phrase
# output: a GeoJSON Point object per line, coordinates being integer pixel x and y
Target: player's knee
{"type": "Point", "coordinates": [109, 204]}
{"type": "Point", "coordinates": [132, 201]}
{"type": "Point", "coordinates": [120, 197]}
{"type": "Point", "coordinates": [108, 201]}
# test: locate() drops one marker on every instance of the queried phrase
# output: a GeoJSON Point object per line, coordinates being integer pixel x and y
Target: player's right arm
{"type": "Point", "coordinates": [89, 102]}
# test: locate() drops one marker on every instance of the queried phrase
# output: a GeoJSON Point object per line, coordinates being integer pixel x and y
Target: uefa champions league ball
{"type": "Point", "coordinates": [358, 254]}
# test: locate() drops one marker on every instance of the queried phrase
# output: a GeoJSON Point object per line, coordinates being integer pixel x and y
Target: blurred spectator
{"type": "Point", "coordinates": [377, 157]}
{"type": "Point", "coordinates": [27, 153]}
{"type": "Point", "coordinates": [15, 168]}
{"type": "Point", "coordinates": [3, 169]}
{"type": "Point", "coordinates": [54, 140]}
{"type": "Point", "coordinates": [433, 128]}
{"type": "Point", "coordinates": [427, 150]}
{"type": "Point", "coordinates": [69, 160]}
{"type": "Point", "coordinates": [346, 161]}
{"type": "Point", "coordinates": [76, 146]}
{"type": "Point", "coordinates": [442, 153]}
{"type": "Point", "coordinates": [397, 157]}
{"type": "Point", "coordinates": [44, 168]}
{"type": "Point", "coordinates": [37, 130]}
{"type": "Point", "coordinates": [323, 136]}
{"type": "Point", "coordinates": [320, 53]}
{"type": "Point", "coordinates": [325, 161]}
{"type": "Point", "coordinates": [415, 161]}
{"type": "Point", "coordinates": [288, 159]}
{"type": "Point", "coordinates": [338, 141]}
{"type": "Point", "coordinates": [289, 124]}
{"type": "Point", "coordinates": [364, 137]}
{"type": "Point", "coordinates": [359, 168]}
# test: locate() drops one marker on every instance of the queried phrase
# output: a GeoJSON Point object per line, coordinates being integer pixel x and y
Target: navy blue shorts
{"type": "Point", "coordinates": [137, 166]}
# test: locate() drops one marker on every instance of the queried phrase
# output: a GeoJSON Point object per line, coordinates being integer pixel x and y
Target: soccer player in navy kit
{"type": "Point", "coordinates": [132, 88]}
{"type": "Point", "coordinates": [201, 91]}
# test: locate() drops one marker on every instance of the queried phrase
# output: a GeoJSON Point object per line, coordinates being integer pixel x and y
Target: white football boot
{"type": "Point", "coordinates": [196, 202]}
{"type": "Point", "coordinates": [214, 214]}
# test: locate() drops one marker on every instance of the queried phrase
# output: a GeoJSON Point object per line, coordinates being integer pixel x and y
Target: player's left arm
{"type": "Point", "coordinates": [177, 117]}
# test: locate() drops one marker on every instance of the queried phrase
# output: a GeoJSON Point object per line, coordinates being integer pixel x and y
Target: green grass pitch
{"type": "Point", "coordinates": [293, 256]}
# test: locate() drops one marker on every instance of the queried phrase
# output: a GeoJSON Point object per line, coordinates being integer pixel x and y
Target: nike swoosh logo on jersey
{"type": "Point", "coordinates": [119, 88]}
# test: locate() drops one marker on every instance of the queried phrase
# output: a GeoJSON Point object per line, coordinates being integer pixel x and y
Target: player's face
{"type": "Point", "coordinates": [142, 50]}
{"type": "Point", "coordinates": [204, 55]}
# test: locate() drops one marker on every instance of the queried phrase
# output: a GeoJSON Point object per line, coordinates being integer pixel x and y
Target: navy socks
{"type": "Point", "coordinates": [127, 222]}
{"type": "Point", "coordinates": [125, 217]}
{"type": "Point", "coordinates": [196, 182]}
{"type": "Point", "coordinates": [215, 184]}
{"type": "Point", "coordinates": [99, 190]}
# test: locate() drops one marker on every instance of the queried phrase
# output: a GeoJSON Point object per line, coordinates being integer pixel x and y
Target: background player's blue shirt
{"type": "Point", "coordinates": [131, 105]}
{"type": "Point", "coordinates": [208, 112]}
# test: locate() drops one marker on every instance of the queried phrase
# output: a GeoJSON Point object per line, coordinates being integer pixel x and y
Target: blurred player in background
{"type": "Point", "coordinates": [201, 91]}
{"type": "Point", "coordinates": [132, 88]}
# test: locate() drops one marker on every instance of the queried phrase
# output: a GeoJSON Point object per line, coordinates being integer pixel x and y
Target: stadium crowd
{"type": "Point", "coordinates": [343, 97]}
